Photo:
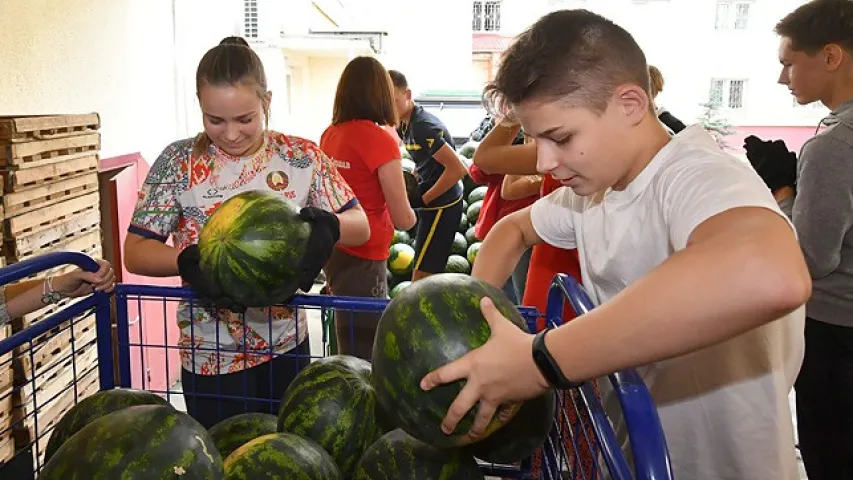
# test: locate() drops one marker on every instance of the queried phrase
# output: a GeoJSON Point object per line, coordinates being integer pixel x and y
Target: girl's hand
{"type": "Point", "coordinates": [79, 283]}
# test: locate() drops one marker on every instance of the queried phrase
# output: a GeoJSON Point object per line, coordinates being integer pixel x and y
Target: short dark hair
{"type": "Point", "coordinates": [569, 53]}
{"type": "Point", "coordinates": [399, 79]}
{"type": "Point", "coordinates": [817, 24]}
{"type": "Point", "coordinates": [364, 92]}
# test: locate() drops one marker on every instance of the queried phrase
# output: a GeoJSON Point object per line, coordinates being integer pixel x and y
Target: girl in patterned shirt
{"type": "Point", "coordinates": [227, 353]}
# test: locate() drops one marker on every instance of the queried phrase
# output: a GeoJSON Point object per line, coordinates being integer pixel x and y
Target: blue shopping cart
{"type": "Point", "coordinates": [103, 342]}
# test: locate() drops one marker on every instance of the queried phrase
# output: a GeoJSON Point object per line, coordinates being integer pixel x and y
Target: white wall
{"type": "Point", "coordinates": [111, 57]}
{"type": "Point", "coordinates": [679, 37]}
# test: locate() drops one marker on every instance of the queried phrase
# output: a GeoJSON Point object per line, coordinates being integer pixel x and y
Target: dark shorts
{"type": "Point", "coordinates": [212, 398]}
{"type": "Point", "coordinates": [436, 230]}
{"type": "Point", "coordinates": [351, 276]}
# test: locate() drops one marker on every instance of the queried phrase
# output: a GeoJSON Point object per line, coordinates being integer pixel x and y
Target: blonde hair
{"type": "Point", "coordinates": [230, 63]}
{"type": "Point", "coordinates": [655, 81]}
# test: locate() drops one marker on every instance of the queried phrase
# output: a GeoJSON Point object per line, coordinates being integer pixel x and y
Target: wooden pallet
{"type": "Point", "coordinates": [43, 219]}
{"type": "Point", "coordinates": [19, 180]}
{"type": "Point", "coordinates": [40, 127]}
{"type": "Point", "coordinates": [25, 433]}
{"type": "Point", "coordinates": [54, 236]}
{"type": "Point", "coordinates": [48, 194]}
{"type": "Point", "coordinates": [53, 378]}
{"type": "Point", "coordinates": [5, 367]}
{"type": "Point", "coordinates": [7, 442]}
{"type": "Point", "coordinates": [85, 241]}
{"type": "Point", "coordinates": [51, 348]}
{"type": "Point", "coordinates": [44, 152]}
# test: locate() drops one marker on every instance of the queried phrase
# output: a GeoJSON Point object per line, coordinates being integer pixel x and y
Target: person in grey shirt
{"type": "Point", "coordinates": [816, 53]}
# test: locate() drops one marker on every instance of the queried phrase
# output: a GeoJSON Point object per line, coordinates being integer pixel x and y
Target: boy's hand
{"type": "Point", "coordinates": [500, 372]}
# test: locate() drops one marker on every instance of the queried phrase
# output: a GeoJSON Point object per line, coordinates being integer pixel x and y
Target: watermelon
{"type": "Point", "coordinates": [236, 431]}
{"type": "Point", "coordinates": [398, 456]}
{"type": "Point", "coordinates": [464, 205]}
{"type": "Point", "coordinates": [477, 195]}
{"type": "Point", "coordinates": [429, 324]}
{"type": "Point", "coordinates": [138, 442]}
{"type": "Point", "coordinates": [473, 211]}
{"type": "Point", "coordinates": [401, 236]}
{"type": "Point", "coordinates": [281, 456]}
{"type": "Point", "coordinates": [333, 403]}
{"type": "Point", "coordinates": [471, 236]}
{"type": "Point", "coordinates": [457, 264]}
{"type": "Point", "coordinates": [398, 288]}
{"type": "Point", "coordinates": [460, 246]}
{"type": "Point", "coordinates": [463, 222]}
{"type": "Point", "coordinates": [389, 276]}
{"type": "Point", "coordinates": [468, 149]}
{"type": "Point", "coordinates": [251, 247]}
{"type": "Point", "coordinates": [401, 260]}
{"type": "Point", "coordinates": [468, 185]}
{"type": "Point", "coordinates": [473, 250]}
{"type": "Point", "coordinates": [94, 407]}
{"type": "Point", "coordinates": [519, 438]}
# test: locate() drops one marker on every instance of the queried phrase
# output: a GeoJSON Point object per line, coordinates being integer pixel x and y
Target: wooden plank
{"type": "Point", "coordinates": [40, 152]}
{"type": "Point", "coordinates": [53, 380]}
{"type": "Point", "coordinates": [15, 128]}
{"type": "Point", "coordinates": [78, 242]}
{"type": "Point", "coordinates": [18, 180]}
{"type": "Point", "coordinates": [49, 194]}
{"type": "Point", "coordinates": [53, 236]}
{"type": "Point", "coordinates": [24, 430]}
{"type": "Point", "coordinates": [53, 347]}
{"type": "Point", "coordinates": [7, 447]}
{"type": "Point", "coordinates": [5, 366]}
{"type": "Point", "coordinates": [39, 220]}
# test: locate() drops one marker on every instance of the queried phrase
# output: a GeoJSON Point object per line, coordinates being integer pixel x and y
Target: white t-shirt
{"type": "Point", "coordinates": [724, 409]}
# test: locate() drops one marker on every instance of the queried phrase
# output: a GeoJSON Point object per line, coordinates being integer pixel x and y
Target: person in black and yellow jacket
{"type": "Point", "coordinates": [438, 197]}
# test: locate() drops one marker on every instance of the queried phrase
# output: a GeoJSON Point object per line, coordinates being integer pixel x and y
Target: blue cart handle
{"type": "Point", "coordinates": [648, 443]}
{"type": "Point", "coordinates": [24, 269]}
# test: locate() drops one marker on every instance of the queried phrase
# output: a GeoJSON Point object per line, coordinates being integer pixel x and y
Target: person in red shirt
{"type": "Point", "coordinates": [369, 160]}
{"type": "Point", "coordinates": [497, 155]}
{"type": "Point", "coordinates": [495, 207]}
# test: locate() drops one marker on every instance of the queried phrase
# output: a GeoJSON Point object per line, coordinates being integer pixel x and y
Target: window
{"type": "Point", "coordinates": [486, 16]}
{"type": "Point", "coordinates": [250, 18]}
{"type": "Point", "coordinates": [732, 14]}
{"type": "Point", "coordinates": [727, 93]}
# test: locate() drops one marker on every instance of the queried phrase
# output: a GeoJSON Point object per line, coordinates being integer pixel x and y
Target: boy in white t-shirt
{"type": "Point", "coordinates": [699, 275]}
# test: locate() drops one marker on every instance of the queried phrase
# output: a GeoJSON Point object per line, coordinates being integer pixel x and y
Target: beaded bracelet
{"type": "Point", "coordinates": [49, 295]}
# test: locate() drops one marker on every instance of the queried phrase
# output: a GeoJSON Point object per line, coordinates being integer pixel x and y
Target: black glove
{"type": "Point", "coordinates": [325, 232]}
{"type": "Point", "coordinates": [413, 191]}
{"type": "Point", "coordinates": [190, 271]}
{"type": "Point", "coordinates": [775, 164]}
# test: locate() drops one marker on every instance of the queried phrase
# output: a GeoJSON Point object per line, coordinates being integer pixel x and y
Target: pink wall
{"type": "Point", "coordinates": [157, 318]}
{"type": "Point", "coordinates": [794, 137]}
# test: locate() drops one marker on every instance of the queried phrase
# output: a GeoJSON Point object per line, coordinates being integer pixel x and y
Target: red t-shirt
{"type": "Point", "coordinates": [359, 148]}
{"type": "Point", "coordinates": [494, 207]}
{"type": "Point", "coordinates": [547, 261]}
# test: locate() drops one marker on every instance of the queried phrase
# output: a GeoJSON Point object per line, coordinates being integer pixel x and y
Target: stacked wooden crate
{"type": "Point", "coordinates": [49, 168]}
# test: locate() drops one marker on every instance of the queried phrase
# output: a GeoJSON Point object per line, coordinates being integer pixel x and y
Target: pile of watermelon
{"type": "Point", "coordinates": [401, 258]}
{"type": "Point", "coordinates": [341, 417]}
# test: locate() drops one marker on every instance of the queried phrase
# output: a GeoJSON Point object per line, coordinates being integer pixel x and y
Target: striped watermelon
{"type": "Point", "coordinates": [92, 408]}
{"type": "Point", "coordinates": [397, 456]}
{"type": "Point", "coordinates": [457, 264]}
{"type": "Point", "coordinates": [137, 443]}
{"type": "Point", "coordinates": [281, 456]}
{"type": "Point", "coordinates": [333, 403]}
{"type": "Point", "coordinates": [519, 438]}
{"type": "Point", "coordinates": [429, 324]}
{"type": "Point", "coordinates": [236, 431]}
{"type": "Point", "coordinates": [251, 246]}
{"type": "Point", "coordinates": [401, 259]}
{"type": "Point", "coordinates": [473, 212]}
